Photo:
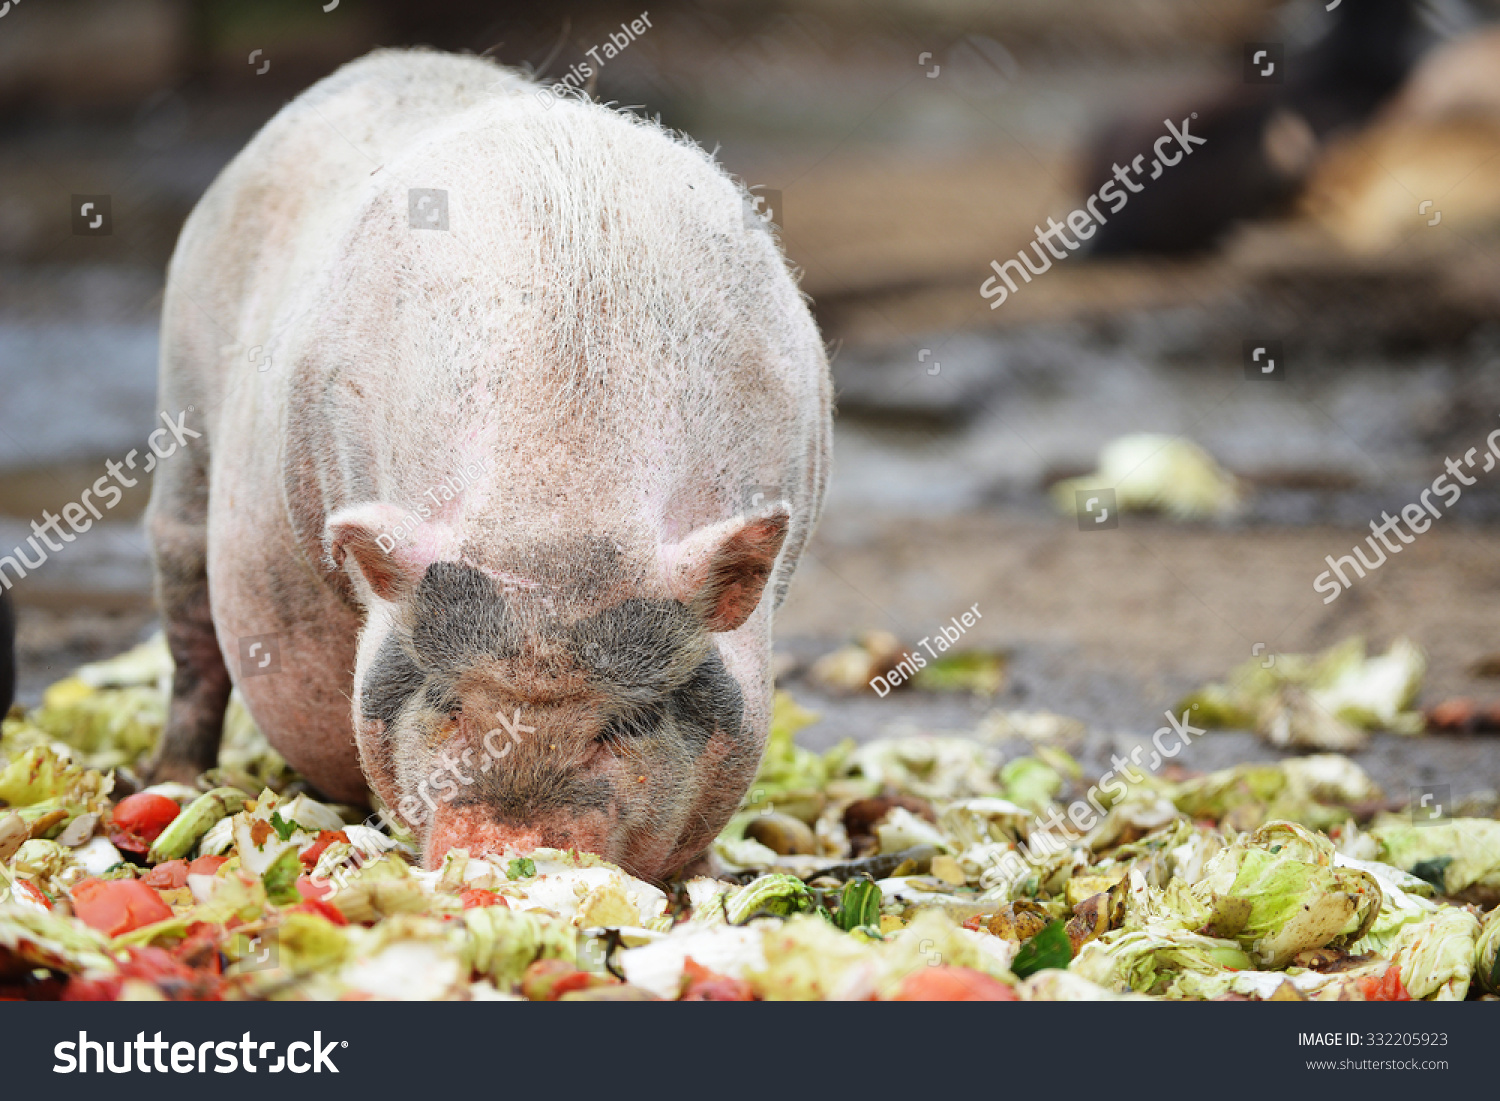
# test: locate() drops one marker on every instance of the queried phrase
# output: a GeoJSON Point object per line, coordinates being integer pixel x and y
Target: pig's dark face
{"type": "Point", "coordinates": [494, 717]}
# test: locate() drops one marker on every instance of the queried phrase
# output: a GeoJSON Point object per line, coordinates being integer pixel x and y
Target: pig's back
{"type": "Point", "coordinates": [599, 329]}
{"type": "Point", "coordinates": [268, 222]}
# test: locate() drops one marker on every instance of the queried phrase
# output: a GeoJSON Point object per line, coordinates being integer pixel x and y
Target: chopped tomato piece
{"type": "Point", "coordinates": [33, 892]}
{"type": "Point", "coordinates": [566, 984]}
{"type": "Point", "coordinates": [139, 819]}
{"type": "Point", "coordinates": [207, 865]}
{"type": "Point", "coordinates": [1384, 988]}
{"type": "Point", "coordinates": [548, 980]}
{"type": "Point", "coordinates": [115, 906]}
{"type": "Point", "coordinates": [976, 923]}
{"type": "Point", "coordinates": [327, 837]}
{"type": "Point", "coordinates": [702, 985]}
{"type": "Point", "coordinates": [478, 897]}
{"type": "Point", "coordinates": [310, 890]}
{"type": "Point", "coordinates": [166, 877]}
{"type": "Point", "coordinates": [319, 908]}
{"type": "Point", "coordinates": [952, 984]}
{"type": "Point", "coordinates": [144, 816]}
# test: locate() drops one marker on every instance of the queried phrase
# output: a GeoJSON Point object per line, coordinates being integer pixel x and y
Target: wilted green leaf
{"type": "Point", "coordinates": [979, 672]}
{"type": "Point", "coordinates": [860, 905]}
{"type": "Point", "coordinates": [283, 828]}
{"type": "Point", "coordinates": [280, 879]}
{"type": "Point", "coordinates": [1049, 948]}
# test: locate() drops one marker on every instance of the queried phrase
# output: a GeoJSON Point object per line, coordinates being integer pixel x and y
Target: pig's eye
{"type": "Point", "coordinates": [444, 701]}
{"type": "Point", "coordinates": [629, 726]}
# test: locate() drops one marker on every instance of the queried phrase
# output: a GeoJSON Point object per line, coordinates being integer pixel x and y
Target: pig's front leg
{"type": "Point", "coordinates": [201, 684]}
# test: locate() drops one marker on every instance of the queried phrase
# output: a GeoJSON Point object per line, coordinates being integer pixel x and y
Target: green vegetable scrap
{"type": "Point", "coordinates": [905, 867]}
{"type": "Point", "coordinates": [1319, 791]}
{"type": "Point", "coordinates": [1154, 962]}
{"type": "Point", "coordinates": [859, 906]}
{"type": "Point", "coordinates": [781, 895]}
{"type": "Point", "coordinates": [1157, 473]}
{"type": "Point", "coordinates": [976, 671]}
{"type": "Point", "coordinates": [1459, 856]}
{"type": "Point", "coordinates": [283, 828]}
{"type": "Point", "coordinates": [195, 820]}
{"type": "Point", "coordinates": [878, 661]}
{"type": "Point", "coordinates": [788, 772]}
{"type": "Point", "coordinates": [1277, 894]}
{"type": "Point", "coordinates": [1324, 701]}
{"type": "Point", "coordinates": [280, 879]}
{"type": "Point", "coordinates": [500, 944]}
{"type": "Point", "coordinates": [1049, 948]}
{"type": "Point", "coordinates": [1487, 954]}
{"type": "Point", "coordinates": [1436, 954]}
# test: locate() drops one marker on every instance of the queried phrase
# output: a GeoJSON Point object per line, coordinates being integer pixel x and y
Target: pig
{"type": "Point", "coordinates": [514, 425]}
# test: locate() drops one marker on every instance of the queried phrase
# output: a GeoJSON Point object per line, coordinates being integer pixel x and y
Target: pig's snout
{"type": "Point", "coordinates": [479, 833]}
{"type": "Point", "coordinates": [478, 836]}
{"type": "Point", "coordinates": [528, 782]}
{"type": "Point", "coordinates": [635, 800]}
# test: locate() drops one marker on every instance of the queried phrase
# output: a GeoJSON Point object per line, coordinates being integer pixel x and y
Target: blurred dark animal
{"type": "Point", "coordinates": [1437, 140]}
{"type": "Point", "coordinates": [7, 654]}
{"type": "Point", "coordinates": [1262, 139]}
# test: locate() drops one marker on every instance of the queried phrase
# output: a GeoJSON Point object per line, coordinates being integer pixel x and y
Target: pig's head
{"type": "Point", "coordinates": [578, 697]}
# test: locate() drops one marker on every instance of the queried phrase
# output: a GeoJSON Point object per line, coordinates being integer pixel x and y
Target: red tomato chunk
{"type": "Point", "coordinates": [115, 906]}
{"type": "Point", "coordinates": [139, 820]}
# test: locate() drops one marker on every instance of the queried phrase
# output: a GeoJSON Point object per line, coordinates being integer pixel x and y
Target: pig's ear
{"type": "Point", "coordinates": [720, 571]}
{"type": "Point", "coordinates": [390, 547]}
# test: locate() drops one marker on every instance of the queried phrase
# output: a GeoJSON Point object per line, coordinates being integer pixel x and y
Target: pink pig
{"type": "Point", "coordinates": [511, 413]}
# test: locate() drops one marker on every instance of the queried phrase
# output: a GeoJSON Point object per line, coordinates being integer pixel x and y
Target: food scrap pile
{"type": "Point", "coordinates": [907, 869]}
{"type": "Point", "coordinates": [1320, 701]}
